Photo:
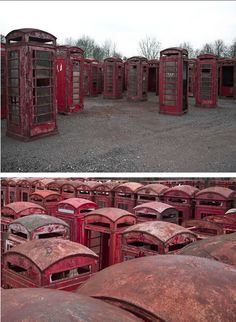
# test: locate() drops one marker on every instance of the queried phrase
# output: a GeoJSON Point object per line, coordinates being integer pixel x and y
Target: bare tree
{"type": "Point", "coordinates": [149, 47]}
{"type": "Point", "coordinates": [3, 39]}
{"type": "Point", "coordinates": [220, 49]}
{"type": "Point", "coordinates": [208, 48]}
{"type": "Point", "coordinates": [232, 49]}
{"type": "Point", "coordinates": [189, 48]}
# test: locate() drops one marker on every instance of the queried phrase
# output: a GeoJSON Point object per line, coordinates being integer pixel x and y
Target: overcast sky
{"type": "Point", "coordinates": [125, 22]}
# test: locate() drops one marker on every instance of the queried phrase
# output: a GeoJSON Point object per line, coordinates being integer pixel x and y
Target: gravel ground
{"type": "Point", "coordinates": [121, 136]}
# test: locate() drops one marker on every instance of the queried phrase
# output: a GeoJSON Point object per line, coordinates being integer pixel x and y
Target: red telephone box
{"type": "Point", "coordinates": [4, 192]}
{"type": "Point", "coordinates": [86, 189]}
{"type": "Point", "coordinates": [51, 263]}
{"type": "Point", "coordinates": [31, 84]}
{"type": "Point", "coordinates": [191, 76]}
{"type": "Point", "coordinates": [70, 96]}
{"type": "Point", "coordinates": [153, 76]}
{"type": "Point", "coordinates": [100, 78]}
{"type": "Point", "coordinates": [213, 201]}
{"type": "Point", "coordinates": [104, 194]}
{"type": "Point", "coordinates": [181, 197]}
{"type": "Point", "coordinates": [227, 77]}
{"type": "Point", "coordinates": [47, 199]}
{"type": "Point", "coordinates": [102, 233]}
{"type": "Point", "coordinates": [113, 77]}
{"type": "Point", "coordinates": [137, 87]}
{"type": "Point", "coordinates": [206, 81]}
{"type": "Point", "coordinates": [152, 238]}
{"type": "Point", "coordinates": [13, 191]}
{"type": "Point", "coordinates": [125, 195]}
{"type": "Point", "coordinates": [3, 82]}
{"type": "Point", "coordinates": [231, 213]}
{"type": "Point", "coordinates": [33, 227]}
{"type": "Point", "coordinates": [72, 211]}
{"type": "Point", "coordinates": [228, 224]}
{"type": "Point", "coordinates": [125, 81]}
{"type": "Point", "coordinates": [173, 81]}
{"type": "Point", "coordinates": [155, 210]}
{"type": "Point", "coordinates": [90, 77]}
{"type": "Point", "coordinates": [43, 304]}
{"type": "Point", "coordinates": [168, 288]}
{"type": "Point", "coordinates": [203, 228]}
{"type": "Point", "coordinates": [220, 248]}
{"type": "Point", "coordinates": [150, 192]}
{"type": "Point", "coordinates": [69, 189]}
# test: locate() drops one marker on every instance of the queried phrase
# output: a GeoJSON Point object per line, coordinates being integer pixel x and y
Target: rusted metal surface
{"type": "Point", "coordinates": [102, 233]}
{"type": "Point", "coordinates": [70, 66]}
{"type": "Point", "coordinates": [206, 81]}
{"type": "Point", "coordinates": [19, 207]}
{"type": "Point", "coordinates": [173, 92]}
{"type": "Point", "coordinates": [170, 287]}
{"type": "Point", "coordinates": [137, 74]}
{"type": "Point", "coordinates": [69, 189]}
{"type": "Point", "coordinates": [203, 228]}
{"type": "Point", "coordinates": [47, 198]}
{"type": "Point", "coordinates": [125, 195]}
{"type": "Point", "coordinates": [163, 231]}
{"type": "Point", "coordinates": [51, 263]}
{"type": "Point", "coordinates": [156, 210]}
{"type": "Point", "coordinates": [150, 192]}
{"type": "Point", "coordinates": [31, 85]}
{"type": "Point", "coordinates": [46, 252]}
{"type": "Point", "coordinates": [77, 203]}
{"type": "Point", "coordinates": [213, 201]}
{"type": "Point", "coordinates": [35, 305]}
{"type": "Point", "coordinates": [220, 248]}
{"type": "Point", "coordinates": [113, 68]}
{"type": "Point", "coordinates": [181, 197]}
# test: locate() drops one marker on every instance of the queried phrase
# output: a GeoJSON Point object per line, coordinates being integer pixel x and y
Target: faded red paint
{"type": "Point", "coordinates": [181, 197]}
{"type": "Point", "coordinates": [40, 304]}
{"type": "Point", "coordinates": [173, 80]}
{"type": "Point", "coordinates": [125, 195]}
{"type": "Point", "coordinates": [31, 85]}
{"type": "Point", "coordinates": [72, 211]}
{"type": "Point", "coordinates": [203, 228]}
{"type": "Point", "coordinates": [102, 229]}
{"type": "Point", "coordinates": [137, 74]}
{"type": "Point", "coordinates": [113, 77]}
{"type": "Point", "coordinates": [104, 194]}
{"type": "Point", "coordinates": [206, 81]}
{"type": "Point", "coordinates": [213, 201]}
{"type": "Point", "coordinates": [152, 238]}
{"type": "Point", "coordinates": [155, 210]}
{"type": "Point", "coordinates": [168, 288]}
{"type": "Point", "coordinates": [150, 192]}
{"type": "Point", "coordinates": [46, 198]}
{"type": "Point", "coordinates": [70, 66]}
{"type": "Point", "coordinates": [51, 263]}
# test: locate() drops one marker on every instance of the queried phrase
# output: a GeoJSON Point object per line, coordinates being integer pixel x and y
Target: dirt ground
{"type": "Point", "coordinates": [121, 136]}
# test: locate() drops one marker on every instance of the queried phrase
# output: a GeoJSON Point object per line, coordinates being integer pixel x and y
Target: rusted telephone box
{"type": "Point", "coordinates": [51, 263]}
{"type": "Point", "coordinates": [47, 199]}
{"type": "Point", "coordinates": [206, 81]}
{"type": "Point", "coordinates": [104, 194]}
{"type": "Point", "coordinates": [43, 304]}
{"type": "Point", "coordinates": [137, 87]}
{"type": "Point", "coordinates": [70, 65]}
{"type": "Point", "coordinates": [191, 76]}
{"type": "Point", "coordinates": [125, 195]}
{"type": "Point", "coordinates": [31, 84]}
{"type": "Point", "coordinates": [150, 192]}
{"type": "Point", "coordinates": [155, 210]}
{"type": "Point", "coordinates": [113, 77]}
{"type": "Point", "coordinates": [72, 211]}
{"type": "Point", "coordinates": [33, 227]}
{"type": "Point", "coordinates": [86, 190]}
{"type": "Point", "coordinates": [173, 81]}
{"type": "Point", "coordinates": [102, 233]}
{"type": "Point", "coordinates": [203, 228]}
{"type": "Point", "coordinates": [69, 189]}
{"type": "Point", "coordinates": [227, 77]}
{"type": "Point", "coordinates": [153, 76]}
{"type": "Point", "coordinates": [3, 82]}
{"type": "Point", "coordinates": [213, 201]}
{"type": "Point", "coordinates": [152, 238]}
{"type": "Point", "coordinates": [90, 77]}
{"type": "Point", "coordinates": [168, 288]}
{"type": "Point", "coordinates": [181, 197]}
